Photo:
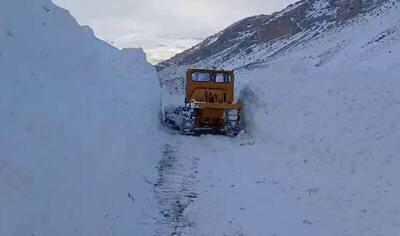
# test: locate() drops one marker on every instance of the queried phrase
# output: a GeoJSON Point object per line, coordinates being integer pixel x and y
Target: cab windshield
{"type": "Point", "coordinates": [214, 77]}
{"type": "Point", "coordinates": [201, 77]}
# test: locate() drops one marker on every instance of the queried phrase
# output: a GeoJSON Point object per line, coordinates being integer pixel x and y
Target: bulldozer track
{"type": "Point", "coordinates": [174, 191]}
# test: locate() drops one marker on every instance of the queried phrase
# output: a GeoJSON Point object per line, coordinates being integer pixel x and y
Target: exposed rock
{"type": "Point", "coordinates": [243, 36]}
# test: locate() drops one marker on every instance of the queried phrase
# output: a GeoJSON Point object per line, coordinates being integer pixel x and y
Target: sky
{"type": "Point", "coordinates": [163, 28]}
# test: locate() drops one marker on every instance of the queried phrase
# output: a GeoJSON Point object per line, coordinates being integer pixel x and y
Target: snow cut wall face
{"type": "Point", "coordinates": [78, 125]}
{"type": "Point", "coordinates": [339, 80]}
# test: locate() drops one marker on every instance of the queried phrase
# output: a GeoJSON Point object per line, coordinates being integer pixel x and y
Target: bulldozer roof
{"type": "Point", "coordinates": [209, 70]}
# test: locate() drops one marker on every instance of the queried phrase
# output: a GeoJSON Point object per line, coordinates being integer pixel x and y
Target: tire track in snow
{"type": "Point", "coordinates": [175, 191]}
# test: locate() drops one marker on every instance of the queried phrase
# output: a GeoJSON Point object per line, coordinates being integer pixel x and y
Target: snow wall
{"type": "Point", "coordinates": [78, 126]}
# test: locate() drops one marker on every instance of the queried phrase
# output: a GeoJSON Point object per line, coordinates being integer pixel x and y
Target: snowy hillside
{"type": "Point", "coordinates": [78, 121]}
{"type": "Point", "coordinates": [322, 112]}
{"type": "Point", "coordinates": [256, 39]}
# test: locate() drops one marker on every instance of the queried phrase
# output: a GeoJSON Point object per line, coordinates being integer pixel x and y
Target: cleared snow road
{"type": "Point", "coordinates": [175, 190]}
{"type": "Point", "coordinates": [209, 186]}
{"type": "Point", "coordinates": [215, 185]}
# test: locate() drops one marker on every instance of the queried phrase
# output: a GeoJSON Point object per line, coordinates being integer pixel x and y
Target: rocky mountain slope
{"type": "Point", "coordinates": [255, 39]}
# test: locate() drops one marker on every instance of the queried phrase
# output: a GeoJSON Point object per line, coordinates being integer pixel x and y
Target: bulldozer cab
{"type": "Point", "coordinates": [209, 104]}
{"type": "Point", "coordinates": [210, 86]}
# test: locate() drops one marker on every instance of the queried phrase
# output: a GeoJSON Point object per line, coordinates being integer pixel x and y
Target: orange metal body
{"type": "Point", "coordinates": [213, 98]}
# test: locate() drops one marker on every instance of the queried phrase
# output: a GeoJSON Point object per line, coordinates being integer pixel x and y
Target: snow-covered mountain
{"type": "Point", "coordinates": [253, 40]}
{"type": "Point", "coordinates": [78, 123]}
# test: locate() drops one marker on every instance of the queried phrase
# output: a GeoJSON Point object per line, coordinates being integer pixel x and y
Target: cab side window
{"type": "Point", "coordinates": [222, 78]}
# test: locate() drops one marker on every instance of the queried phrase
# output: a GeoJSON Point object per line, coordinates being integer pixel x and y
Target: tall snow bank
{"type": "Point", "coordinates": [346, 72]}
{"type": "Point", "coordinates": [329, 109]}
{"type": "Point", "coordinates": [78, 126]}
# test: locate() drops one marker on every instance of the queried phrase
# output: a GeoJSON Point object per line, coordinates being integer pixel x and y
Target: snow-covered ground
{"type": "Point", "coordinates": [82, 151]}
{"type": "Point", "coordinates": [320, 156]}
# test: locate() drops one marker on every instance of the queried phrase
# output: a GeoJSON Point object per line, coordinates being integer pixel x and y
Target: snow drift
{"type": "Point", "coordinates": [78, 124]}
